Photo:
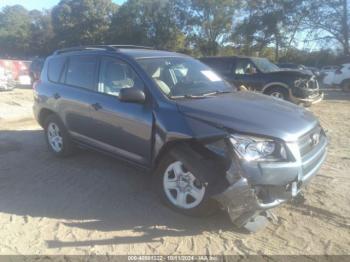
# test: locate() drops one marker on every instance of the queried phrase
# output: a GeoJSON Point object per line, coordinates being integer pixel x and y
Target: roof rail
{"type": "Point", "coordinates": [82, 48]}
{"type": "Point", "coordinates": [99, 47]}
{"type": "Point", "coordinates": [132, 46]}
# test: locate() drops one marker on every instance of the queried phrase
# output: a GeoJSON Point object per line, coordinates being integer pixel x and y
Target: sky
{"type": "Point", "coordinates": [38, 4]}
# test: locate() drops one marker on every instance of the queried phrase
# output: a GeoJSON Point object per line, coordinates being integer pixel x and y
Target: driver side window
{"type": "Point", "coordinates": [116, 75]}
{"type": "Point", "coordinates": [245, 67]}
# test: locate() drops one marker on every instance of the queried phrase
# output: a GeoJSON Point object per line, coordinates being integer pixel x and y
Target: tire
{"type": "Point", "coordinates": [205, 207]}
{"type": "Point", "coordinates": [346, 85]}
{"type": "Point", "coordinates": [57, 137]}
{"type": "Point", "coordinates": [278, 92]}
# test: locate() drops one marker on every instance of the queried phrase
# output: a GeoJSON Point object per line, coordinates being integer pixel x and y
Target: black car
{"type": "Point", "coordinates": [206, 145]}
{"type": "Point", "coordinates": [259, 74]}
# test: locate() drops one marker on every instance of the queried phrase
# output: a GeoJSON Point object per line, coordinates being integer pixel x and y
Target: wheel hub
{"type": "Point", "coordinates": [181, 186]}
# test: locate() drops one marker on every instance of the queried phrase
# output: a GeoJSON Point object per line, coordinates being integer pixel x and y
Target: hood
{"type": "Point", "coordinates": [292, 73]}
{"type": "Point", "coordinates": [251, 113]}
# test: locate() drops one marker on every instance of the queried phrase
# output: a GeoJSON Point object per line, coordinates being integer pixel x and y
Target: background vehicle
{"type": "Point", "coordinates": [171, 114]}
{"type": "Point", "coordinates": [259, 74]}
{"type": "Point", "coordinates": [35, 68]}
{"type": "Point", "coordinates": [6, 80]}
{"type": "Point", "coordinates": [339, 77]}
{"type": "Point", "coordinates": [310, 70]}
{"type": "Point", "coordinates": [328, 69]}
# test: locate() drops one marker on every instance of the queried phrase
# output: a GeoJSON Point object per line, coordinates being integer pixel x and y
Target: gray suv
{"type": "Point", "coordinates": [207, 146]}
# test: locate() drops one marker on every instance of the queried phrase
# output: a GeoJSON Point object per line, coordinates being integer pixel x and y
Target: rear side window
{"type": "Point", "coordinates": [81, 71]}
{"type": "Point", "coordinates": [221, 66]}
{"type": "Point", "coordinates": [55, 68]}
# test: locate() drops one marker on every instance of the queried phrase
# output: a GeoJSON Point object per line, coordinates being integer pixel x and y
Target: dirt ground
{"type": "Point", "coordinates": [93, 204]}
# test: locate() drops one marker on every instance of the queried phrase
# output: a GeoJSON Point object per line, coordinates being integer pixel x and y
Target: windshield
{"type": "Point", "coordinates": [180, 77]}
{"type": "Point", "coordinates": [265, 65]}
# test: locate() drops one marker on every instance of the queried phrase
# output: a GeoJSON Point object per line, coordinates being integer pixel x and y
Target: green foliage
{"type": "Point", "coordinates": [268, 22]}
{"type": "Point", "coordinates": [266, 28]}
{"type": "Point", "coordinates": [41, 40]}
{"type": "Point", "coordinates": [327, 21]}
{"type": "Point", "coordinates": [79, 22]}
{"type": "Point", "coordinates": [147, 22]}
{"type": "Point", "coordinates": [206, 23]}
{"type": "Point", "coordinates": [14, 30]}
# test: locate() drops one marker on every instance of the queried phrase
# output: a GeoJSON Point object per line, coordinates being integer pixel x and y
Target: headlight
{"type": "Point", "coordinates": [301, 83]}
{"type": "Point", "coordinates": [258, 149]}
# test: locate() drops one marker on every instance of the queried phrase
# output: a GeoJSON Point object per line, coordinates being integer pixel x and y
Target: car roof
{"type": "Point", "coordinates": [230, 57]}
{"type": "Point", "coordinates": [146, 53]}
{"type": "Point", "coordinates": [135, 52]}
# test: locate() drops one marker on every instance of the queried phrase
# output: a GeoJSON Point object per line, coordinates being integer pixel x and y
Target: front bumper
{"type": "Point", "coordinates": [256, 187]}
{"type": "Point", "coordinates": [313, 99]}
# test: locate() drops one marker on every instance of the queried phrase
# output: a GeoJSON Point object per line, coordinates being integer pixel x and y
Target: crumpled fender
{"type": "Point", "coordinates": [210, 171]}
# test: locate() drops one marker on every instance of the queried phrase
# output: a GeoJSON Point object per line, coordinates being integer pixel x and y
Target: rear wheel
{"type": "Point", "coordinates": [181, 190]}
{"type": "Point", "coordinates": [57, 137]}
{"type": "Point", "coordinates": [279, 93]}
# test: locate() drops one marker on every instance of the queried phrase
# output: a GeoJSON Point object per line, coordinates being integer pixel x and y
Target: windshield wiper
{"type": "Point", "coordinates": [217, 92]}
{"type": "Point", "coordinates": [204, 95]}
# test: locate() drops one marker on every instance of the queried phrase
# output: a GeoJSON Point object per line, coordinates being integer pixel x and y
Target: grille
{"type": "Point", "coordinates": [305, 142]}
{"type": "Point", "coordinates": [312, 84]}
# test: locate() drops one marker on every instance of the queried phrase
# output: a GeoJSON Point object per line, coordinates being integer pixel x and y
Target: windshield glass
{"type": "Point", "coordinates": [184, 77]}
{"type": "Point", "coordinates": [265, 65]}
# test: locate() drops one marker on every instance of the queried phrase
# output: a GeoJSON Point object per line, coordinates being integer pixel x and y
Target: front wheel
{"type": "Point", "coordinates": [278, 93]}
{"type": "Point", "coordinates": [181, 190]}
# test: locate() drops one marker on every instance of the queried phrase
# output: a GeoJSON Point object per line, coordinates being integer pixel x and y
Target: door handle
{"type": "Point", "coordinates": [56, 96]}
{"type": "Point", "coordinates": [96, 106]}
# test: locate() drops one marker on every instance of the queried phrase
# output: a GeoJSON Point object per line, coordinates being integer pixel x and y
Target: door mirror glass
{"type": "Point", "coordinates": [132, 95]}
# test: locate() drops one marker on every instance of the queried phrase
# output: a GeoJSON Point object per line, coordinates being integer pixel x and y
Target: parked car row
{"type": "Point", "coordinates": [6, 80]}
{"type": "Point", "coordinates": [329, 76]}
{"type": "Point", "coordinates": [19, 72]}
{"type": "Point", "coordinates": [207, 145]}
{"type": "Point", "coordinates": [340, 77]}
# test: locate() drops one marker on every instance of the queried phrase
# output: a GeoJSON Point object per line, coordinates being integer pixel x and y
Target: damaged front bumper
{"type": "Point", "coordinates": [256, 187]}
{"type": "Point", "coordinates": [307, 100]}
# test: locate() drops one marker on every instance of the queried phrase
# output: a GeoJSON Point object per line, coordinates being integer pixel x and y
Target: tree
{"type": "Point", "coordinates": [81, 22]}
{"type": "Point", "coordinates": [14, 31]}
{"type": "Point", "coordinates": [328, 20]}
{"type": "Point", "coordinates": [147, 22]}
{"type": "Point", "coordinates": [206, 23]}
{"type": "Point", "coordinates": [268, 22]}
{"type": "Point", "coordinates": [41, 39]}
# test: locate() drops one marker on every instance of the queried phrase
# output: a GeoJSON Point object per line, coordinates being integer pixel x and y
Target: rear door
{"type": "Point", "coordinates": [119, 127]}
{"type": "Point", "coordinates": [80, 82]}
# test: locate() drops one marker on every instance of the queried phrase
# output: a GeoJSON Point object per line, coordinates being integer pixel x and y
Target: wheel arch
{"type": "Point", "coordinates": [269, 86]}
{"type": "Point", "coordinates": [43, 114]}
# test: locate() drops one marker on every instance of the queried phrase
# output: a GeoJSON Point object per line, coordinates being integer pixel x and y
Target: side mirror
{"type": "Point", "coordinates": [132, 95]}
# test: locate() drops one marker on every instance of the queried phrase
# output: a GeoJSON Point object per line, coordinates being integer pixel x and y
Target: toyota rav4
{"type": "Point", "coordinates": [206, 145]}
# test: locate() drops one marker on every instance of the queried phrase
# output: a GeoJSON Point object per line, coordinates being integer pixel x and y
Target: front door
{"type": "Point", "coordinates": [121, 128]}
{"type": "Point", "coordinates": [246, 74]}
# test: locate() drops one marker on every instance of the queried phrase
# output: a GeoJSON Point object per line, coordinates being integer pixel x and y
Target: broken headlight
{"type": "Point", "coordinates": [301, 83]}
{"type": "Point", "coordinates": [258, 149]}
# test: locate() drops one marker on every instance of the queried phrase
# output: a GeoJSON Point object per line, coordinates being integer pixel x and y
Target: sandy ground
{"type": "Point", "coordinates": [93, 204]}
